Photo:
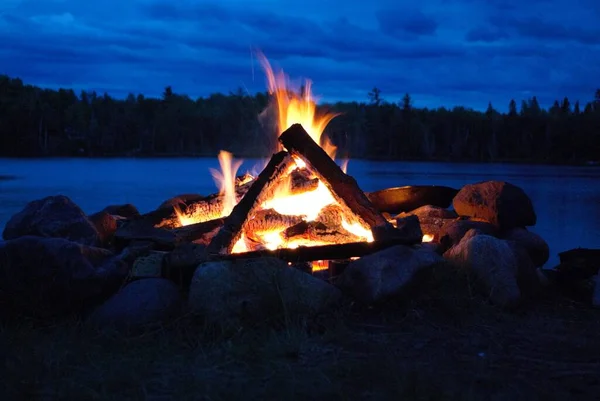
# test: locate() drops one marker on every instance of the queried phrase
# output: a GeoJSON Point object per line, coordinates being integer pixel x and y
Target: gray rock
{"type": "Point", "coordinates": [502, 204]}
{"type": "Point", "coordinates": [493, 262]}
{"type": "Point", "coordinates": [535, 245]}
{"type": "Point", "coordinates": [386, 273]}
{"type": "Point", "coordinates": [141, 304]}
{"type": "Point", "coordinates": [232, 293]}
{"type": "Point", "coordinates": [53, 216]}
{"type": "Point", "coordinates": [453, 231]}
{"type": "Point", "coordinates": [53, 276]}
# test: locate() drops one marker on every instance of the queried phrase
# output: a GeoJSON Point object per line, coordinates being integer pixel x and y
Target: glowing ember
{"type": "Point", "coordinates": [427, 238]}
{"type": "Point", "coordinates": [293, 107]}
{"type": "Point", "coordinates": [308, 204]}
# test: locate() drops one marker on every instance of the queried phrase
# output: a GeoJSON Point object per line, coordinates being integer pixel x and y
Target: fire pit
{"type": "Point", "coordinates": [300, 216]}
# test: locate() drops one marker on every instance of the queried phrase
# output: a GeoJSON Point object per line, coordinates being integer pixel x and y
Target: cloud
{"type": "Point", "coordinates": [462, 52]}
{"type": "Point", "coordinates": [399, 21]}
{"type": "Point", "coordinates": [544, 30]}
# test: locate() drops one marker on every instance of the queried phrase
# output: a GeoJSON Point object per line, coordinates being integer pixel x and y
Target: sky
{"type": "Point", "coordinates": [441, 52]}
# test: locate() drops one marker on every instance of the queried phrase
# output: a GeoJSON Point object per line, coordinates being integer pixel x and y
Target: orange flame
{"type": "Point", "coordinates": [297, 107]}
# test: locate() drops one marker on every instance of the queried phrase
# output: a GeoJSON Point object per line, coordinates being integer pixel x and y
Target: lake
{"type": "Point", "coordinates": [565, 198]}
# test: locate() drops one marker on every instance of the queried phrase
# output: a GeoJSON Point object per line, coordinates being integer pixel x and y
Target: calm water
{"type": "Point", "coordinates": [566, 199]}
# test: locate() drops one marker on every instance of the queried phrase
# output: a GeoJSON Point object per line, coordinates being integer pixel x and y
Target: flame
{"type": "Point", "coordinates": [427, 238]}
{"type": "Point", "coordinates": [184, 220]}
{"type": "Point", "coordinates": [225, 180]}
{"type": "Point", "coordinates": [344, 165]}
{"type": "Point", "coordinates": [308, 204]}
{"type": "Point", "coordinates": [240, 245]}
{"type": "Point", "coordinates": [297, 107]}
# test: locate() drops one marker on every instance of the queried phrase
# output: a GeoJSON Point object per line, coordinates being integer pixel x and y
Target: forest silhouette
{"type": "Point", "coordinates": [37, 122]}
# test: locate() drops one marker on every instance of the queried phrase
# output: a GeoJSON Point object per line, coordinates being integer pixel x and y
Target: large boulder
{"type": "Point", "coordinates": [503, 204]}
{"type": "Point", "coordinates": [53, 216]}
{"type": "Point", "coordinates": [53, 276]}
{"type": "Point", "coordinates": [387, 273]}
{"type": "Point", "coordinates": [141, 304]}
{"type": "Point", "coordinates": [536, 247]}
{"type": "Point", "coordinates": [493, 263]}
{"type": "Point", "coordinates": [232, 293]}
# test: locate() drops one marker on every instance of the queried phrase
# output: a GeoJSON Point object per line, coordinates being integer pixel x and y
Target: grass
{"type": "Point", "coordinates": [444, 343]}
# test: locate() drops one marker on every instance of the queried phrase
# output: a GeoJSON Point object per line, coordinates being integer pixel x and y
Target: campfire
{"type": "Point", "coordinates": [301, 198]}
{"type": "Point", "coordinates": [300, 222]}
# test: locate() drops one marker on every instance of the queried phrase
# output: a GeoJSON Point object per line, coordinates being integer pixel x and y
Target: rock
{"type": "Point", "coordinates": [453, 231]}
{"type": "Point", "coordinates": [106, 225]}
{"type": "Point", "coordinates": [527, 275]}
{"type": "Point", "coordinates": [53, 276]}
{"type": "Point", "coordinates": [534, 244]}
{"type": "Point", "coordinates": [387, 273]}
{"type": "Point", "coordinates": [596, 294]}
{"type": "Point", "coordinates": [126, 210]}
{"type": "Point", "coordinates": [500, 203]}
{"type": "Point", "coordinates": [493, 262]}
{"type": "Point", "coordinates": [180, 264]}
{"type": "Point", "coordinates": [149, 266]}
{"type": "Point", "coordinates": [407, 229]}
{"type": "Point", "coordinates": [180, 200]}
{"type": "Point", "coordinates": [141, 304]}
{"type": "Point", "coordinates": [138, 230]}
{"type": "Point", "coordinates": [430, 212]}
{"type": "Point", "coordinates": [431, 220]}
{"type": "Point", "coordinates": [253, 291]}
{"type": "Point", "coordinates": [53, 216]}
{"type": "Point", "coordinates": [135, 250]}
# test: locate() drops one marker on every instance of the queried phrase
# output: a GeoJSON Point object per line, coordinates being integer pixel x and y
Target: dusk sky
{"type": "Point", "coordinates": [444, 53]}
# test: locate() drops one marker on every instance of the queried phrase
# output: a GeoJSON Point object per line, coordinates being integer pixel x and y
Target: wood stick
{"type": "Point", "coordinates": [321, 252]}
{"type": "Point", "coordinates": [197, 231]}
{"type": "Point", "coordinates": [343, 187]}
{"type": "Point", "coordinates": [261, 189]}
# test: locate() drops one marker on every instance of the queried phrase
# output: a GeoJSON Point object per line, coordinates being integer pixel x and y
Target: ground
{"type": "Point", "coordinates": [444, 343]}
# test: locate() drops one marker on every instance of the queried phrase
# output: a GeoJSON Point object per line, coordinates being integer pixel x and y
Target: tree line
{"type": "Point", "coordinates": [36, 122]}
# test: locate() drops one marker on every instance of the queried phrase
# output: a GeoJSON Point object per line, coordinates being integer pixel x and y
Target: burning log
{"type": "Point", "coordinates": [344, 188]}
{"type": "Point", "coordinates": [261, 189]}
{"type": "Point", "coordinates": [331, 215]}
{"type": "Point", "coordinates": [303, 181]}
{"type": "Point", "coordinates": [318, 232]}
{"type": "Point", "coordinates": [322, 252]}
{"type": "Point", "coordinates": [268, 220]}
{"type": "Point", "coordinates": [198, 231]}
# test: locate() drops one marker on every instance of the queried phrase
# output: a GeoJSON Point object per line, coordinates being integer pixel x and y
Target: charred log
{"type": "Point", "coordinates": [303, 181]}
{"type": "Point", "coordinates": [260, 190]}
{"type": "Point", "coordinates": [322, 252]}
{"type": "Point", "coordinates": [319, 233]}
{"type": "Point", "coordinates": [343, 187]}
{"type": "Point", "coordinates": [199, 231]}
{"type": "Point", "coordinates": [268, 220]}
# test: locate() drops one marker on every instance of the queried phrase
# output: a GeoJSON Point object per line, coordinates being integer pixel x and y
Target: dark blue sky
{"type": "Point", "coordinates": [442, 52]}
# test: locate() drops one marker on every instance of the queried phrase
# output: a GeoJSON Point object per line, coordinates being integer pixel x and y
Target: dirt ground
{"type": "Point", "coordinates": [445, 343]}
